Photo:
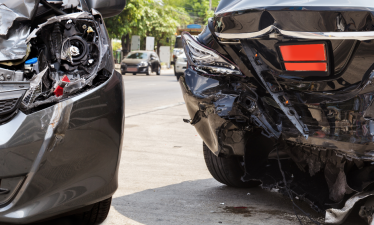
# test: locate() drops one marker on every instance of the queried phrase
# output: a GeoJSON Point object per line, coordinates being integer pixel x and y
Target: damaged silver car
{"type": "Point", "coordinates": [61, 110]}
{"type": "Point", "coordinates": [281, 93]}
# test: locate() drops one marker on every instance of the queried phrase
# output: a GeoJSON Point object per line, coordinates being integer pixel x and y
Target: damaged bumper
{"type": "Point", "coordinates": [63, 157]}
{"type": "Point", "coordinates": [316, 119]}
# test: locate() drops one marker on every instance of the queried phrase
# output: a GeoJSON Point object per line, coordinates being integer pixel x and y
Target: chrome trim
{"type": "Point", "coordinates": [359, 35]}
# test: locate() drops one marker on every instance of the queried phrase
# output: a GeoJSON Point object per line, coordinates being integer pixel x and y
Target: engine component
{"type": "Point", "coordinates": [10, 75]}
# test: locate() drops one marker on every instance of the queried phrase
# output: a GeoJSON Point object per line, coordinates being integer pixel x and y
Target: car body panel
{"type": "Point", "coordinates": [67, 174]}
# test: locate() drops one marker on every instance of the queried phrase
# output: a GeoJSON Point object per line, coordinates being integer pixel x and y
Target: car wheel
{"type": "Point", "coordinates": [123, 73]}
{"type": "Point", "coordinates": [158, 70]}
{"type": "Point", "coordinates": [226, 170]}
{"type": "Point", "coordinates": [133, 73]}
{"type": "Point", "coordinates": [149, 70]}
{"type": "Point", "coordinates": [98, 213]}
{"type": "Point", "coordinates": [178, 76]}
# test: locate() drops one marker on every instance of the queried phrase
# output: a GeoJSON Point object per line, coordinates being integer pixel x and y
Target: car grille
{"type": "Point", "coordinates": [8, 109]}
{"type": "Point", "coordinates": [7, 105]}
{"type": "Point", "coordinates": [131, 65]}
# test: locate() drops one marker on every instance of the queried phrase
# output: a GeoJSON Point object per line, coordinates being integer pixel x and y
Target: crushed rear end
{"type": "Point", "coordinates": [300, 74]}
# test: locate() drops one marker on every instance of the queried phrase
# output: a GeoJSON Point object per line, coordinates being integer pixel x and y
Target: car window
{"type": "Point", "coordinates": [138, 55]}
{"type": "Point", "coordinates": [178, 42]}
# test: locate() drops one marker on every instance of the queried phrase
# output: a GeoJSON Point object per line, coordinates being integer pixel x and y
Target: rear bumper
{"type": "Point", "coordinates": [68, 153]}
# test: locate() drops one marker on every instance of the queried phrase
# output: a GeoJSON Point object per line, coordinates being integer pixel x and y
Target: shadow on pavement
{"type": "Point", "coordinates": [200, 202]}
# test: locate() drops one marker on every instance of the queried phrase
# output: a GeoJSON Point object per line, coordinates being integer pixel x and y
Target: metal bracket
{"type": "Point", "coordinates": [289, 111]}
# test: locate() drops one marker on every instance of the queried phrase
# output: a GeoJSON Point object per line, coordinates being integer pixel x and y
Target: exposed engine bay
{"type": "Point", "coordinates": [244, 80]}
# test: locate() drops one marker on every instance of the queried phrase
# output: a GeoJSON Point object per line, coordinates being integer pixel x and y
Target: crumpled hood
{"type": "Point", "coordinates": [12, 33]}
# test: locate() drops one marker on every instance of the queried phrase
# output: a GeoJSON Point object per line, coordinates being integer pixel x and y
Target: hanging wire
{"type": "Point", "coordinates": [290, 194]}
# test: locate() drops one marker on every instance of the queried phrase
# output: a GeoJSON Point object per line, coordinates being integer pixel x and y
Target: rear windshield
{"type": "Point", "coordinates": [178, 43]}
{"type": "Point", "coordinates": [137, 55]}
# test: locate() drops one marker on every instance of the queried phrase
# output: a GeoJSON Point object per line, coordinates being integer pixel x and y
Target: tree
{"type": "Point", "coordinates": [162, 21]}
{"type": "Point", "coordinates": [146, 18]}
{"type": "Point", "coordinates": [197, 9]}
{"type": "Point", "coordinates": [129, 21]}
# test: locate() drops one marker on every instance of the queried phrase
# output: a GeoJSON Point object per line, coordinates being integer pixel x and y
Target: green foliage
{"type": "Point", "coordinates": [146, 18]}
{"type": "Point", "coordinates": [197, 9]}
{"type": "Point", "coordinates": [116, 45]}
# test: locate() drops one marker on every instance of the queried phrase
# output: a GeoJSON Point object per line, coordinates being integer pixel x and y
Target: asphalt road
{"type": "Point", "coordinates": [163, 178]}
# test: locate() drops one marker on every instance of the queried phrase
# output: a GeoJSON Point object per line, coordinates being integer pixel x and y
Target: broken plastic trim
{"type": "Point", "coordinates": [206, 60]}
{"type": "Point", "coordinates": [289, 111]}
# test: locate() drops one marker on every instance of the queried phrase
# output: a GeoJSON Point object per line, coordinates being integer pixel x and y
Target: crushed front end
{"type": "Point", "coordinates": [61, 110]}
{"type": "Point", "coordinates": [291, 86]}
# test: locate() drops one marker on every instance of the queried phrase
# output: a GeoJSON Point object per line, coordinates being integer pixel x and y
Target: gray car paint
{"type": "Point", "coordinates": [69, 173]}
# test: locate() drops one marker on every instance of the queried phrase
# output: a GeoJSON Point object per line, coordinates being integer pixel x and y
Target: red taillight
{"type": "Point", "coordinates": [312, 52]}
{"type": "Point", "coordinates": [304, 57]}
{"type": "Point", "coordinates": [306, 66]}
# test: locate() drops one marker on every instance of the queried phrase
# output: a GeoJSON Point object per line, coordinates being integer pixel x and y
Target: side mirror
{"type": "Point", "coordinates": [107, 8]}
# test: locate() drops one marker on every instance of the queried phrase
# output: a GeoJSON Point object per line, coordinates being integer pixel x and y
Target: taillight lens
{"type": "Point", "coordinates": [304, 57]}
{"type": "Point", "coordinates": [206, 60]}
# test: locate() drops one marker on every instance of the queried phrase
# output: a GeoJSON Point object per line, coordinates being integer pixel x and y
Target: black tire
{"type": "Point", "coordinates": [149, 70]}
{"type": "Point", "coordinates": [226, 170]}
{"type": "Point", "coordinates": [178, 76]}
{"type": "Point", "coordinates": [98, 213]}
{"type": "Point", "coordinates": [158, 72]}
{"type": "Point", "coordinates": [175, 72]}
{"type": "Point", "coordinates": [133, 73]}
{"type": "Point", "coordinates": [123, 73]}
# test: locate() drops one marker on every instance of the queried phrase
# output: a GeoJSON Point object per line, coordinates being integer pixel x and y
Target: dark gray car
{"type": "Point", "coordinates": [141, 62]}
{"type": "Point", "coordinates": [61, 110]}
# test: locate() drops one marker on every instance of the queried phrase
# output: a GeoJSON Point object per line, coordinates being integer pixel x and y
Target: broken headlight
{"type": "Point", "coordinates": [206, 60]}
{"type": "Point", "coordinates": [71, 54]}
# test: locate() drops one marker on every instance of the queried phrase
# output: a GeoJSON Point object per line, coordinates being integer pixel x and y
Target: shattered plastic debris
{"type": "Point", "coordinates": [221, 203]}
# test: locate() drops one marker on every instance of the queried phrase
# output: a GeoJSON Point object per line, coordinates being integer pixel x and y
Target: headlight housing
{"type": "Point", "coordinates": [143, 64]}
{"type": "Point", "coordinates": [206, 60]}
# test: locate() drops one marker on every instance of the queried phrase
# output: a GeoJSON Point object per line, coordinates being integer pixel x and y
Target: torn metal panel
{"type": "Point", "coordinates": [14, 45]}
{"type": "Point", "coordinates": [338, 216]}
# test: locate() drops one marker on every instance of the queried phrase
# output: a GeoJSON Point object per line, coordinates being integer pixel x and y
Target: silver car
{"type": "Point", "coordinates": [61, 110]}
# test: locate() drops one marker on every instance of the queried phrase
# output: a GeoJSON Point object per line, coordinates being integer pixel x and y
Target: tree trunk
{"type": "Point", "coordinates": [126, 44]}
{"type": "Point", "coordinates": [158, 47]}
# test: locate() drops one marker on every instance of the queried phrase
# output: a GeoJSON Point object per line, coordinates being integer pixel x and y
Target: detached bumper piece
{"type": "Point", "coordinates": [302, 99]}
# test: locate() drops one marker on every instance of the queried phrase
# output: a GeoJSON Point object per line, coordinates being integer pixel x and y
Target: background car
{"type": "Point", "coordinates": [62, 111]}
{"type": "Point", "coordinates": [180, 65]}
{"type": "Point", "coordinates": [178, 48]}
{"type": "Point", "coordinates": [141, 62]}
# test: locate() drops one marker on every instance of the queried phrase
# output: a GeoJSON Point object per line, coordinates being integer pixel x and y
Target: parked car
{"type": "Point", "coordinates": [178, 48]}
{"type": "Point", "coordinates": [61, 110]}
{"type": "Point", "coordinates": [286, 100]}
{"type": "Point", "coordinates": [180, 65]}
{"type": "Point", "coordinates": [141, 62]}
